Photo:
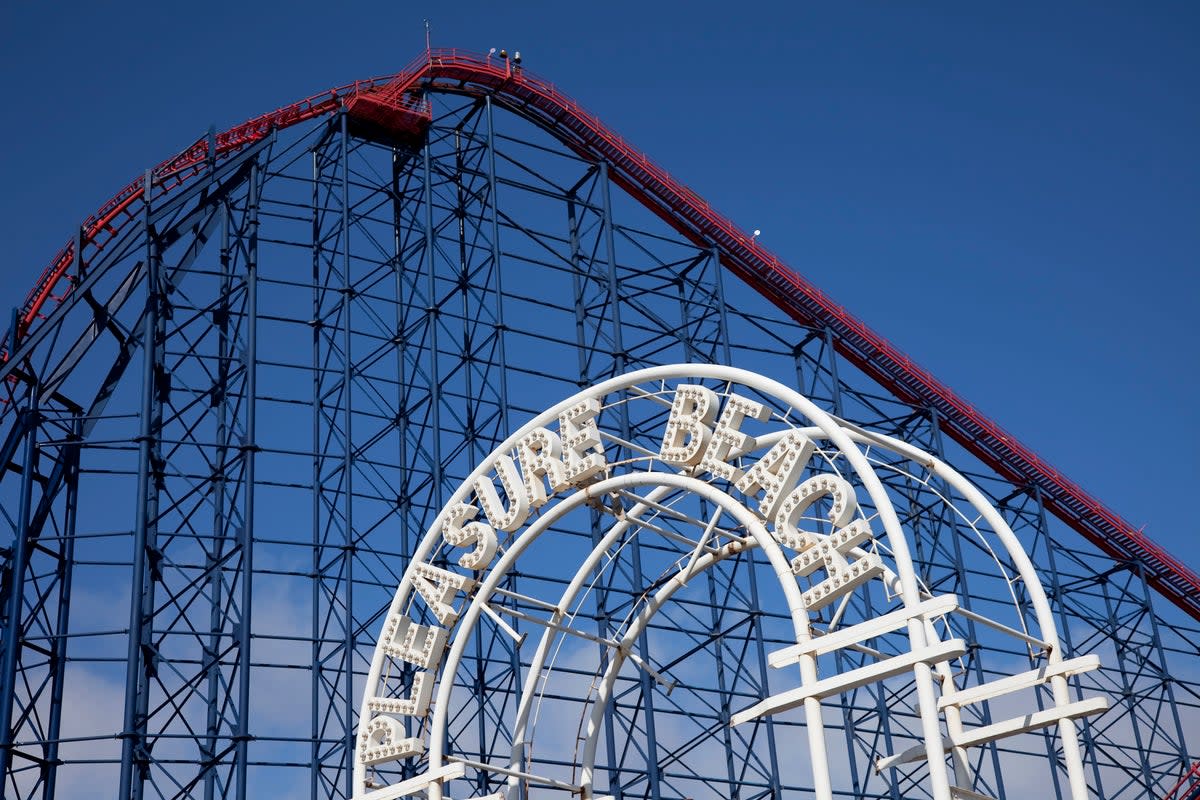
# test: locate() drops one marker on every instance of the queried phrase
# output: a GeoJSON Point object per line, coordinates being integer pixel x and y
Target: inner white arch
{"type": "Point", "coordinates": [935, 707]}
{"type": "Point", "coordinates": [743, 516]}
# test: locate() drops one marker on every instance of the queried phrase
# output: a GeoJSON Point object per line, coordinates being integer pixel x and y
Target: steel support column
{"type": "Point", "coordinates": [23, 436]}
{"type": "Point", "coordinates": [140, 658]}
{"type": "Point", "coordinates": [249, 454]}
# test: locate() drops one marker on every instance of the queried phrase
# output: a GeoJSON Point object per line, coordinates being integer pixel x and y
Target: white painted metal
{"type": "Point", "coordinates": [1015, 683]}
{"type": "Point", "coordinates": [845, 681]}
{"type": "Point", "coordinates": [872, 628]}
{"type": "Point", "coordinates": [959, 793]}
{"type": "Point", "coordinates": [925, 646]}
{"type": "Point", "coordinates": [1012, 546]}
{"type": "Point", "coordinates": [1002, 730]}
{"type": "Point", "coordinates": [418, 784]}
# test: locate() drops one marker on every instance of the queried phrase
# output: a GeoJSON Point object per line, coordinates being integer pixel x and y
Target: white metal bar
{"type": "Point", "coordinates": [863, 631]}
{"type": "Point", "coordinates": [666, 510]}
{"type": "Point", "coordinates": [524, 598]}
{"type": "Point", "coordinates": [666, 534]}
{"type": "Point", "coordinates": [991, 623]}
{"type": "Point", "coordinates": [1001, 730]}
{"type": "Point", "coordinates": [515, 773]}
{"type": "Point", "coordinates": [1032, 722]}
{"type": "Point", "coordinates": [617, 440]}
{"type": "Point", "coordinates": [556, 626]}
{"type": "Point", "coordinates": [657, 676]}
{"type": "Point", "coordinates": [591, 637]}
{"type": "Point", "coordinates": [1013, 683]}
{"type": "Point", "coordinates": [418, 784]}
{"type": "Point", "coordinates": [655, 396]}
{"type": "Point", "coordinates": [708, 530]}
{"type": "Point", "coordinates": [519, 638]}
{"type": "Point", "coordinates": [837, 684]}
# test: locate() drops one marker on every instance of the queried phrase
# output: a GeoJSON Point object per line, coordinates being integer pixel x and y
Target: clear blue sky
{"type": "Point", "coordinates": [1009, 192]}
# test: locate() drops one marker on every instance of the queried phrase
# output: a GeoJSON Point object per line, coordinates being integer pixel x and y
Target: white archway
{"type": "Point", "coordinates": [702, 449]}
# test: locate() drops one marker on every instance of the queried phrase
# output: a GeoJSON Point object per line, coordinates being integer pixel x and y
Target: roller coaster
{"type": "Point", "coordinates": [236, 401]}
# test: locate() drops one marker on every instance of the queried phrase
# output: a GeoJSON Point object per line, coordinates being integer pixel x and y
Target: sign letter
{"type": "Point", "coordinates": [381, 740]}
{"type": "Point", "coordinates": [514, 489]}
{"type": "Point", "coordinates": [400, 635]}
{"type": "Point", "coordinates": [727, 441]}
{"type": "Point", "coordinates": [688, 427]}
{"type": "Point", "coordinates": [540, 454]}
{"type": "Point", "coordinates": [579, 434]}
{"type": "Point", "coordinates": [438, 587]}
{"type": "Point", "coordinates": [476, 533]}
{"type": "Point", "coordinates": [776, 472]}
{"type": "Point", "coordinates": [842, 575]}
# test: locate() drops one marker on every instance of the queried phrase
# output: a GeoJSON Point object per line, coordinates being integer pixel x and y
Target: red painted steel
{"type": "Point", "coordinates": [540, 101]}
{"type": "Point", "coordinates": [1192, 781]}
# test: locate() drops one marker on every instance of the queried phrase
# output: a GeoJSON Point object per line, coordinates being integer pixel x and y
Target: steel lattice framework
{"type": "Point", "coordinates": [231, 406]}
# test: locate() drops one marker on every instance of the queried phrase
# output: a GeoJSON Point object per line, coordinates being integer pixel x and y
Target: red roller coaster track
{"type": "Point", "coordinates": [526, 94]}
{"type": "Point", "coordinates": [1188, 787]}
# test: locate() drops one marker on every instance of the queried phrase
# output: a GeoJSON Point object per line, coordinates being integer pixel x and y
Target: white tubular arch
{"type": "Point", "coordinates": [740, 513]}
{"type": "Point", "coordinates": [845, 439]}
{"type": "Point", "coordinates": [1043, 613]}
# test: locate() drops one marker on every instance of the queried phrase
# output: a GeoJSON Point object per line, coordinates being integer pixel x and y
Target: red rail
{"type": "Point", "coordinates": [100, 228]}
{"type": "Point", "coordinates": [1192, 788]}
{"type": "Point", "coordinates": [684, 210]}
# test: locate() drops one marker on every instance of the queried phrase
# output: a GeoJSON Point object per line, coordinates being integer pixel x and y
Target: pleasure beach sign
{"type": "Point", "coordinates": [716, 465]}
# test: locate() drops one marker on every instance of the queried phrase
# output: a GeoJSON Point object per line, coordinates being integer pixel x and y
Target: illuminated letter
{"type": "Point", "coordinates": [382, 740]}
{"type": "Point", "coordinates": [842, 508]}
{"type": "Point", "coordinates": [842, 576]}
{"type": "Point", "coordinates": [579, 434]}
{"type": "Point", "coordinates": [400, 640]}
{"type": "Point", "coordinates": [692, 412]}
{"type": "Point", "coordinates": [776, 472]}
{"type": "Point", "coordinates": [414, 705]}
{"type": "Point", "coordinates": [540, 454]}
{"type": "Point", "coordinates": [400, 635]}
{"type": "Point", "coordinates": [514, 489]}
{"type": "Point", "coordinates": [727, 441]}
{"type": "Point", "coordinates": [476, 533]}
{"type": "Point", "coordinates": [437, 587]}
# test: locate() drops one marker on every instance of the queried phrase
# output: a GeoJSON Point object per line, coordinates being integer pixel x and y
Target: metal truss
{"type": "Point", "coordinates": [224, 434]}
